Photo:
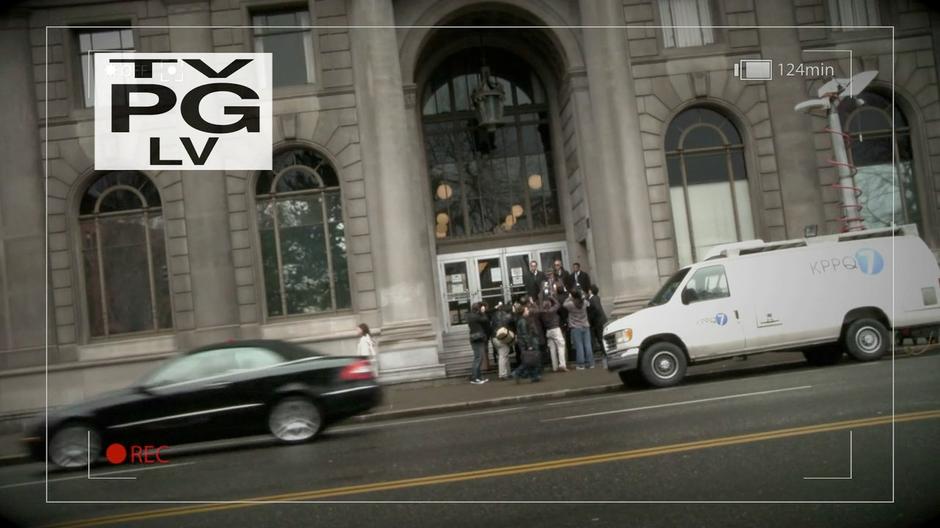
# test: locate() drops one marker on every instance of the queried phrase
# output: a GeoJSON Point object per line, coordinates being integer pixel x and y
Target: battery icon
{"type": "Point", "coordinates": [754, 69]}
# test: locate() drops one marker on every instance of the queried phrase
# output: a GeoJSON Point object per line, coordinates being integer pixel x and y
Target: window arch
{"type": "Point", "coordinates": [885, 199]}
{"type": "Point", "coordinates": [488, 183]}
{"type": "Point", "coordinates": [303, 238]}
{"type": "Point", "coordinates": [708, 183]}
{"type": "Point", "coordinates": [124, 255]}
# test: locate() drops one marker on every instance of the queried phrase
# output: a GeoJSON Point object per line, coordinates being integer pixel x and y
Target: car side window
{"type": "Point", "coordinates": [706, 284]}
{"type": "Point", "coordinates": [195, 366]}
{"type": "Point", "coordinates": [253, 358]}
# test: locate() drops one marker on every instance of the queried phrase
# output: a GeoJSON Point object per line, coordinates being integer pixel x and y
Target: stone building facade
{"type": "Point", "coordinates": [598, 152]}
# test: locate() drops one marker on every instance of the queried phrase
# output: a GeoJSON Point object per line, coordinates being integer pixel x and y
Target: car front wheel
{"type": "Point", "coordinates": [866, 339]}
{"type": "Point", "coordinates": [295, 419]}
{"type": "Point", "coordinates": [73, 445]}
{"type": "Point", "coordinates": [663, 364]}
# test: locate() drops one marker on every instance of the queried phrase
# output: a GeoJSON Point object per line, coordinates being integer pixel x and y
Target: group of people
{"type": "Point", "coordinates": [559, 308]}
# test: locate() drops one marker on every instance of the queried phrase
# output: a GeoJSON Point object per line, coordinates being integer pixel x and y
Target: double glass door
{"type": "Point", "coordinates": [491, 276]}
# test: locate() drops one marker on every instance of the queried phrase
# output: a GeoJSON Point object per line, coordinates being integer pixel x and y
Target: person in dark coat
{"type": "Point", "coordinates": [479, 325]}
{"type": "Point", "coordinates": [597, 318]}
{"type": "Point", "coordinates": [530, 366]}
{"type": "Point", "coordinates": [580, 279]}
{"type": "Point", "coordinates": [533, 279]}
{"type": "Point", "coordinates": [562, 275]}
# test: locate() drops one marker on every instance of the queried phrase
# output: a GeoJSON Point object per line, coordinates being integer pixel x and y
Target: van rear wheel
{"type": "Point", "coordinates": [866, 339]}
{"type": "Point", "coordinates": [823, 355]}
{"type": "Point", "coordinates": [663, 364]}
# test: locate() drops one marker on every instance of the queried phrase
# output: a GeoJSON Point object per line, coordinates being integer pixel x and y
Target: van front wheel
{"type": "Point", "coordinates": [663, 364]}
{"type": "Point", "coordinates": [866, 339]}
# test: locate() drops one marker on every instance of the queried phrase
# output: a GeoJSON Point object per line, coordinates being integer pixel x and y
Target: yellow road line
{"type": "Point", "coordinates": [503, 471]}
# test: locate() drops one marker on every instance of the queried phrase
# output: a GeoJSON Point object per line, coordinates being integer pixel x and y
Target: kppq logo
{"type": "Point", "coordinates": [183, 111]}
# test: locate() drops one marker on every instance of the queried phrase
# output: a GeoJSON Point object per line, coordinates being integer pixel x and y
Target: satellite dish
{"type": "Point", "coordinates": [848, 87]}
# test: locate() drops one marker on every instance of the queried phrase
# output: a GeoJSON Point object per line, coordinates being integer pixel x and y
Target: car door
{"type": "Point", "coordinates": [711, 320]}
{"type": "Point", "coordinates": [187, 399]}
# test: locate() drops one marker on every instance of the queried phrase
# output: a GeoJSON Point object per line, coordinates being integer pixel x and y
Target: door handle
{"type": "Point", "coordinates": [736, 314]}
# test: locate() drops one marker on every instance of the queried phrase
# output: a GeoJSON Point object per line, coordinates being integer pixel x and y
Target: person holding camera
{"type": "Point", "coordinates": [479, 325]}
{"type": "Point", "coordinates": [503, 337]}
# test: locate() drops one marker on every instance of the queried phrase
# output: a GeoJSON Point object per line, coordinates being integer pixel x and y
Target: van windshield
{"type": "Point", "coordinates": [665, 293]}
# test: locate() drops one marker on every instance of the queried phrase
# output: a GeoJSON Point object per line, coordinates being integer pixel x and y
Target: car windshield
{"type": "Point", "coordinates": [665, 293]}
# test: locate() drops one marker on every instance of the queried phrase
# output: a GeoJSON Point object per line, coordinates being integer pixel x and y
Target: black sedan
{"type": "Point", "coordinates": [219, 391]}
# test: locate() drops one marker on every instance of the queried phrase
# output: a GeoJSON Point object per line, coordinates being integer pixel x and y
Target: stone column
{"type": "Point", "coordinates": [409, 343]}
{"type": "Point", "coordinates": [22, 217]}
{"type": "Point", "coordinates": [215, 303]}
{"type": "Point", "coordinates": [796, 154]}
{"type": "Point", "coordinates": [618, 197]}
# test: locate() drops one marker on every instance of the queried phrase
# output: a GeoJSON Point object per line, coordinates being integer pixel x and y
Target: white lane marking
{"type": "Point", "coordinates": [420, 420]}
{"type": "Point", "coordinates": [675, 404]}
{"type": "Point", "coordinates": [76, 477]}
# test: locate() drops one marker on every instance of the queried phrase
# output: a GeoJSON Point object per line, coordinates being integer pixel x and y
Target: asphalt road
{"type": "Point", "coordinates": [808, 447]}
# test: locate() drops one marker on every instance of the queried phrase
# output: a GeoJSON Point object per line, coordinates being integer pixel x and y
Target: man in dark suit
{"type": "Point", "coordinates": [580, 279]}
{"type": "Point", "coordinates": [597, 319]}
{"type": "Point", "coordinates": [563, 276]}
{"type": "Point", "coordinates": [533, 279]}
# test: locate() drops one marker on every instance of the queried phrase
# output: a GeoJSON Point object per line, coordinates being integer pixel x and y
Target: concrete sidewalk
{"type": "Point", "coordinates": [457, 394]}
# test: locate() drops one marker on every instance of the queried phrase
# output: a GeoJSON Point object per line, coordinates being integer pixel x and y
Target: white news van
{"type": "Point", "coordinates": [823, 295]}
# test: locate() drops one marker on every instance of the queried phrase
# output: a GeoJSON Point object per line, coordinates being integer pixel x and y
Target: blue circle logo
{"type": "Point", "coordinates": [721, 319]}
{"type": "Point", "coordinates": [870, 261]}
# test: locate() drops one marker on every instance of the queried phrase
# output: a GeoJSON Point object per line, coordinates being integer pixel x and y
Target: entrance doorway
{"type": "Point", "coordinates": [491, 276]}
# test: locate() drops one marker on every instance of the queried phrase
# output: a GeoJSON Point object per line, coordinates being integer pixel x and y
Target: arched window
{"type": "Point", "coordinates": [707, 183]}
{"type": "Point", "coordinates": [124, 255]}
{"type": "Point", "coordinates": [885, 199]}
{"type": "Point", "coordinates": [303, 239]}
{"type": "Point", "coordinates": [485, 183]}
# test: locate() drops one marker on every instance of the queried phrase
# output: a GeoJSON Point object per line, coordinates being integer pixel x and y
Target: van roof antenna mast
{"type": "Point", "coordinates": [830, 95]}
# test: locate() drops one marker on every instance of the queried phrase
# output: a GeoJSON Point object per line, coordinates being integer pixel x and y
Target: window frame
{"type": "Point", "coordinates": [895, 105]}
{"type": "Point", "coordinates": [746, 152]}
{"type": "Point", "coordinates": [253, 8]}
{"type": "Point", "coordinates": [71, 58]}
{"type": "Point", "coordinates": [719, 45]}
{"type": "Point", "coordinates": [261, 286]}
{"type": "Point", "coordinates": [78, 218]}
{"type": "Point", "coordinates": [685, 287]}
{"type": "Point", "coordinates": [517, 117]}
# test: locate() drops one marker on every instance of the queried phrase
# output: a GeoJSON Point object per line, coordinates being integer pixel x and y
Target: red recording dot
{"type": "Point", "coordinates": [116, 453]}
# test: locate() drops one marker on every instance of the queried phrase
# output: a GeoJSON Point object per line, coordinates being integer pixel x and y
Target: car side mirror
{"type": "Point", "coordinates": [689, 296]}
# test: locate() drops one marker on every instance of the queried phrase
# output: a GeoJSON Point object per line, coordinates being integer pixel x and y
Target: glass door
{"type": "Point", "coordinates": [457, 293]}
{"type": "Point", "coordinates": [516, 264]}
{"type": "Point", "coordinates": [490, 274]}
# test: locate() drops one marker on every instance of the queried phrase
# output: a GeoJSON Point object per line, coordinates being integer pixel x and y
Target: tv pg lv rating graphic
{"type": "Point", "coordinates": [183, 111]}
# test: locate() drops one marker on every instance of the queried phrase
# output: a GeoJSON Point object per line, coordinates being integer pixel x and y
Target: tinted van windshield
{"type": "Point", "coordinates": [665, 293]}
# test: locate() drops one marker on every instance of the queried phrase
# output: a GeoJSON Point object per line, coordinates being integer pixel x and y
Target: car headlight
{"type": "Point", "coordinates": [625, 336]}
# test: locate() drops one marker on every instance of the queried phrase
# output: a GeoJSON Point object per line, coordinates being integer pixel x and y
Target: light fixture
{"type": "Point", "coordinates": [444, 191]}
{"type": "Point", "coordinates": [509, 222]}
{"type": "Point", "coordinates": [535, 181]}
{"type": "Point", "coordinates": [441, 231]}
{"type": "Point", "coordinates": [517, 211]}
{"type": "Point", "coordinates": [442, 218]}
{"type": "Point", "coordinates": [488, 97]}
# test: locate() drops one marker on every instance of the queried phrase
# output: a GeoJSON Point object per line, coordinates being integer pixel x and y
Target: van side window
{"type": "Point", "coordinates": [706, 284]}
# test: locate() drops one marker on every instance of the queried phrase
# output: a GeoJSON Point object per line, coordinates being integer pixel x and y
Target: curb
{"type": "Point", "coordinates": [484, 404]}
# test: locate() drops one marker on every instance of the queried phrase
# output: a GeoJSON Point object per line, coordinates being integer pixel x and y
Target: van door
{"type": "Point", "coordinates": [711, 315]}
